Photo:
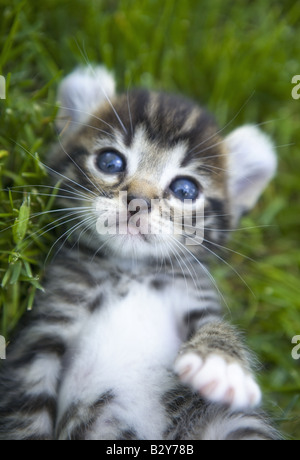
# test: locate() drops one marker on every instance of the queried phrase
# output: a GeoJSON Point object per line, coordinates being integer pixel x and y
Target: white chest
{"type": "Point", "coordinates": [127, 347]}
{"type": "Point", "coordinates": [138, 331]}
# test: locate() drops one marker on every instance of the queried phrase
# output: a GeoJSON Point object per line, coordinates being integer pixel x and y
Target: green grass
{"type": "Point", "coordinates": [238, 59]}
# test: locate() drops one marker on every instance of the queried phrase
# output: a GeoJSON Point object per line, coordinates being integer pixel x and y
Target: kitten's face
{"type": "Point", "coordinates": [139, 162]}
{"type": "Point", "coordinates": [130, 161]}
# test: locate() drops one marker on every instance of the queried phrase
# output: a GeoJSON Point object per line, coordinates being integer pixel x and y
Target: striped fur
{"type": "Point", "coordinates": [128, 341]}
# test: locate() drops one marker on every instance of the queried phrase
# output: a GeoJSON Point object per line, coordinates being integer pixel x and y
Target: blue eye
{"type": "Point", "coordinates": [185, 189]}
{"type": "Point", "coordinates": [110, 162]}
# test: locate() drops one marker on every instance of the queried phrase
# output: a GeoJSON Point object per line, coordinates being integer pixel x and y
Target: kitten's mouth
{"type": "Point", "coordinates": [134, 225]}
{"type": "Point", "coordinates": [134, 229]}
{"type": "Point", "coordinates": [127, 228]}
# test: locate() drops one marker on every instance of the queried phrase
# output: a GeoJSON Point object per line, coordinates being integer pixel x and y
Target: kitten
{"type": "Point", "coordinates": [128, 340]}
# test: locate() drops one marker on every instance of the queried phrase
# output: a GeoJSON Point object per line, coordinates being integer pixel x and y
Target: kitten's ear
{"type": "Point", "coordinates": [80, 93]}
{"type": "Point", "coordinates": [252, 164]}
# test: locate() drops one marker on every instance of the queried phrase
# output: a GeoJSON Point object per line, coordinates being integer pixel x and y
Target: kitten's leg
{"type": "Point", "coordinates": [221, 424]}
{"type": "Point", "coordinates": [31, 374]}
{"type": "Point", "coordinates": [216, 364]}
{"type": "Point", "coordinates": [28, 384]}
{"type": "Point", "coordinates": [193, 418]}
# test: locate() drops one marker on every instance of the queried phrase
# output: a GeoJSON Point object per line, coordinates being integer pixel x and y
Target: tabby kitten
{"type": "Point", "coordinates": [128, 340]}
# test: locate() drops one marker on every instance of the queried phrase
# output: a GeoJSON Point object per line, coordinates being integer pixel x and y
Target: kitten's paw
{"type": "Point", "coordinates": [218, 380]}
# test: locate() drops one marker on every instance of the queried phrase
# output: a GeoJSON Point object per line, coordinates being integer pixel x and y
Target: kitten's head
{"type": "Point", "coordinates": [150, 171]}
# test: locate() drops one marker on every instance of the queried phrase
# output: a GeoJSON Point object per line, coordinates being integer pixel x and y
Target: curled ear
{"type": "Point", "coordinates": [80, 93]}
{"type": "Point", "coordinates": [252, 164]}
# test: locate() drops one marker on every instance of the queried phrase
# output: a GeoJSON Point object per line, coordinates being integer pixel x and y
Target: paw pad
{"type": "Point", "coordinates": [218, 380]}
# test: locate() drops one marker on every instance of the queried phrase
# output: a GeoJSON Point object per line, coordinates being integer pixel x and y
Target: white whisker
{"type": "Point", "coordinates": [104, 92]}
{"type": "Point", "coordinates": [89, 114]}
{"type": "Point", "coordinates": [179, 264]}
{"type": "Point", "coordinates": [129, 113]}
{"type": "Point", "coordinates": [55, 188]}
{"type": "Point", "coordinates": [224, 127]}
{"type": "Point", "coordinates": [226, 263]}
{"type": "Point", "coordinates": [53, 170]}
{"type": "Point", "coordinates": [82, 172]}
{"type": "Point", "coordinates": [102, 246]}
{"type": "Point", "coordinates": [68, 233]}
{"type": "Point", "coordinates": [178, 244]}
{"type": "Point", "coordinates": [203, 267]}
{"type": "Point", "coordinates": [62, 222]}
{"type": "Point", "coordinates": [92, 127]}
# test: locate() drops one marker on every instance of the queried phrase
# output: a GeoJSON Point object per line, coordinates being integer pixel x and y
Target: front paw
{"type": "Point", "coordinates": [218, 380]}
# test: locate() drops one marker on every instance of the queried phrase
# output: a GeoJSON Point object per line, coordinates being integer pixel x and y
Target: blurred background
{"type": "Point", "coordinates": [236, 58]}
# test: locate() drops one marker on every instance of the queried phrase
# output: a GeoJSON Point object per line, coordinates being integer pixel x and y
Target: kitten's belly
{"type": "Point", "coordinates": [127, 348]}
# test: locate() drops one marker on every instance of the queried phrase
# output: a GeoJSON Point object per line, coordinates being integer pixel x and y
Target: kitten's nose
{"type": "Point", "coordinates": [140, 192]}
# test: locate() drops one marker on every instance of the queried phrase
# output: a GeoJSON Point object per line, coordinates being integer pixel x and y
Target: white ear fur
{"type": "Point", "coordinates": [252, 164]}
{"type": "Point", "coordinates": [80, 93]}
